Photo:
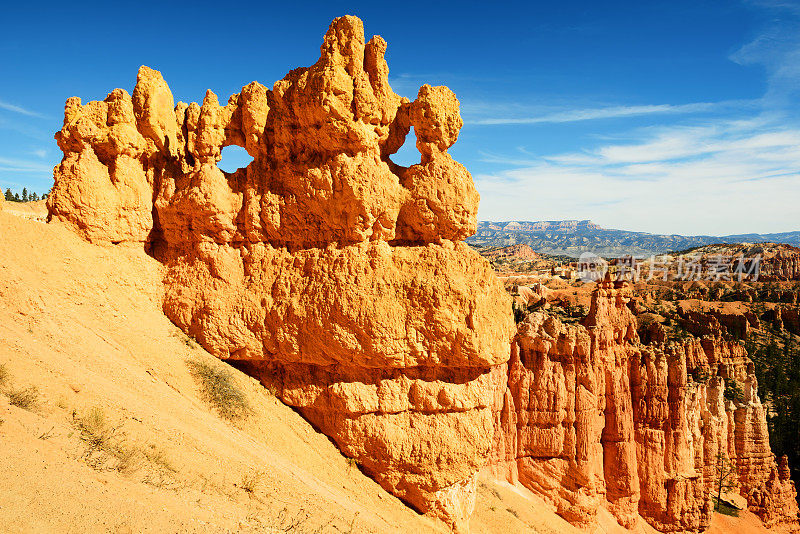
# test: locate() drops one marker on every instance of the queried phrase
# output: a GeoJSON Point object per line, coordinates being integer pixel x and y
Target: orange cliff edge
{"type": "Point", "coordinates": [340, 279]}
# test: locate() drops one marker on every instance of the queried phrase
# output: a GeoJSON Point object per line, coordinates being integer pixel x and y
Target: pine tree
{"type": "Point", "coordinates": [778, 373]}
{"type": "Point", "coordinates": [24, 194]}
{"type": "Point", "coordinates": [726, 479]}
{"type": "Point", "coordinates": [9, 195]}
{"type": "Point", "coordinates": [16, 197]}
{"type": "Point", "coordinates": [34, 197]}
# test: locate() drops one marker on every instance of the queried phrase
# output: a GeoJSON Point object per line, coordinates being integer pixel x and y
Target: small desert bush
{"type": "Point", "coordinates": [219, 389]}
{"type": "Point", "coordinates": [106, 442]}
{"type": "Point", "coordinates": [107, 447]}
{"type": "Point", "coordinates": [5, 376]}
{"type": "Point", "coordinates": [159, 458]}
{"type": "Point", "coordinates": [27, 398]}
{"type": "Point", "coordinates": [353, 465]}
{"type": "Point", "coordinates": [251, 482]}
{"type": "Point", "coordinates": [160, 470]}
{"type": "Point", "coordinates": [293, 521]}
{"type": "Point", "coordinates": [95, 429]}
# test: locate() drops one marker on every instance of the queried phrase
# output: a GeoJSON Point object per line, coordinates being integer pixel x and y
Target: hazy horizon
{"type": "Point", "coordinates": [628, 229]}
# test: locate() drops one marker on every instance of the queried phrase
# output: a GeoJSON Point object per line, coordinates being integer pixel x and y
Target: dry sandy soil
{"type": "Point", "coordinates": [28, 210]}
{"type": "Point", "coordinates": [119, 437]}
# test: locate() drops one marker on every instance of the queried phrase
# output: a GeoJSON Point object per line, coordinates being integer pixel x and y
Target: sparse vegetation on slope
{"type": "Point", "coordinates": [97, 338]}
{"type": "Point", "coordinates": [26, 398]}
{"type": "Point", "coordinates": [105, 442]}
{"type": "Point", "coordinates": [4, 375]}
{"type": "Point", "coordinates": [219, 389]}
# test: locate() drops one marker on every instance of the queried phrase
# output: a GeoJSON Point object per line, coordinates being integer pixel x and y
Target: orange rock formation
{"type": "Point", "coordinates": [592, 418]}
{"type": "Point", "coordinates": [331, 272]}
{"type": "Point", "coordinates": [339, 279]}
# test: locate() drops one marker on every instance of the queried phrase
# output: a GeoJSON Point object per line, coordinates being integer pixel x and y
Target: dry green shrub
{"type": "Point", "coordinates": [251, 482]}
{"type": "Point", "coordinates": [352, 463]}
{"type": "Point", "coordinates": [106, 443]}
{"type": "Point", "coordinates": [27, 398]}
{"type": "Point", "coordinates": [161, 471]}
{"type": "Point", "coordinates": [95, 429]}
{"type": "Point", "coordinates": [219, 389]}
{"type": "Point", "coordinates": [108, 447]}
{"type": "Point", "coordinates": [159, 458]}
{"type": "Point", "coordinates": [292, 522]}
{"type": "Point", "coordinates": [5, 376]}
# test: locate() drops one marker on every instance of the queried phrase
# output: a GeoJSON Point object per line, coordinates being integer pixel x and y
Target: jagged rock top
{"type": "Point", "coordinates": [143, 169]}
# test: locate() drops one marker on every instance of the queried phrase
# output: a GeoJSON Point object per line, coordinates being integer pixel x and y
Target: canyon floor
{"type": "Point", "coordinates": [104, 427]}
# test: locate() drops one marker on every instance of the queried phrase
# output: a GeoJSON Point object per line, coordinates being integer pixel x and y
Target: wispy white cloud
{"type": "Point", "coordinates": [678, 143]}
{"type": "Point", "coordinates": [487, 113]}
{"type": "Point", "coordinates": [22, 111]}
{"type": "Point", "coordinates": [724, 178]}
{"type": "Point", "coordinates": [25, 128]}
{"type": "Point", "coordinates": [21, 165]}
{"type": "Point", "coordinates": [722, 168]}
{"type": "Point", "coordinates": [611, 112]}
{"type": "Point", "coordinates": [776, 48]}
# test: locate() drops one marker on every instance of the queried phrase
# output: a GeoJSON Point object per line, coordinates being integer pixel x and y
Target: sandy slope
{"type": "Point", "coordinates": [83, 325]}
{"type": "Point", "coordinates": [746, 523]}
{"type": "Point", "coordinates": [28, 210]}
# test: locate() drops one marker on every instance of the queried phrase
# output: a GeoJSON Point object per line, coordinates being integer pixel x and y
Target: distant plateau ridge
{"type": "Point", "coordinates": [573, 237]}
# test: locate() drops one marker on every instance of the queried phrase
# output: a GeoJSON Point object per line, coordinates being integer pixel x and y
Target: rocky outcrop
{"type": "Point", "coordinates": [716, 323]}
{"type": "Point", "coordinates": [768, 261]}
{"type": "Point", "coordinates": [781, 264]}
{"type": "Point", "coordinates": [785, 318]}
{"type": "Point", "coordinates": [513, 252]}
{"type": "Point", "coordinates": [340, 280]}
{"type": "Point", "coordinates": [140, 169]}
{"type": "Point", "coordinates": [323, 268]}
{"type": "Point", "coordinates": [592, 418]}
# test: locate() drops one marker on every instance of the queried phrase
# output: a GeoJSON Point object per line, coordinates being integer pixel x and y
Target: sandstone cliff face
{"type": "Point", "coordinates": [782, 264]}
{"type": "Point", "coordinates": [785, 318]}
{"type": "Point", "coordinates": [717, 323]}
{"type": "Point", "coordinates": [339, 279]}
{"type": "Point", "coordinates": [592, 418]}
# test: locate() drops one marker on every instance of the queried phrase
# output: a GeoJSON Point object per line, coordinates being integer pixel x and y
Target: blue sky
{"type": "Point", "coordinates": [668, 117]}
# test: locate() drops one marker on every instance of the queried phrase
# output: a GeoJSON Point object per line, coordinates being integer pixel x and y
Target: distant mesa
{"type": "Point", "coordinates": [573, 237]}
{"type": "Point", "coordinates": [539, 226]}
